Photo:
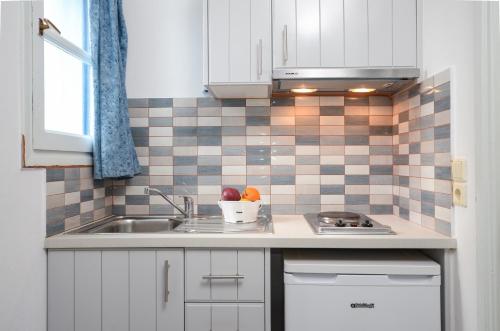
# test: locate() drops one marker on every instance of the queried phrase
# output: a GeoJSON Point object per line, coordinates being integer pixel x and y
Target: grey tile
{"type": "Point", "coordinates": [428, 208]}
{"type": "Point", "coordinates": [161, 210]}
{"type": "Point", "coordinates": [86, 195]}
{"type": "Point", "coordinates": [258, 159]}
{"type": "Point", "coordinates": [381, 180]}
{"type": "Point", "coordinates": [209, 160]}
{"type": "Point", "coordinates": [332, 140]}
{"type": "Point", "coordinates": [233, 150]}
{"type": "Point", "coordinates": [427, 159]}
{"type": "Point", "coordinates": [160, 151]}
{"type": "Point", "coordinates": [209, 209]}
{"type": "Point", "coordinates": [443, 227]}
{"type": "Point", "coordinates": [415, 194]}
{"type": "Point", "coordinates": [117, 191]}
{"type": "Point", "coordinates": [282, 180]}
{"type": "Point", "coordinates": [144, 171]}
{"type": "Point", "coordinates": [71, 210]}
{"type": "Point", "coordinates": [305, 130]}
{"type": "Point", "coordinates": [138, 103]}
{"type": "Point", "coordinates": [282, 130]}
{"type": "Point", "coordinates": [380, 150]}
{"type": "Point", "coordinates": [160, 121]}
{"type": "Point", "coordinates": [54, 175]}
{"type": "Point", "coordinates": [332, 189]}
{"type": "Point", "coordinates": [258, 180]}
{"type": "Point", "coordinates": [357, 199]}
{"type": "Point", "coordinates": [160, 102]}
{"type": "Point", "coordinates": [208, 102]}
{"type": "Point", "coordinates": [258, 120]}
{"type": "Point", "coordinates": [331, 111]}
{"type": "Point", "coordinates": [209, 131]}
{"type": "Point", "coordinates": [356, 130]}
{"type": "Point", "coordinates": [283, 150]}
{"type": "Point", "coordinates": [190, 170]}
{"type": "Point", "coordinates": [356, 101]}
{"type": "Point", "coordinates": [404, 181]}
{"type": "Point", "coordinates": [427, 196]}
{"type": "Point", "coordinates": [232, 130]}
{"type": "Point", "coordinates": [426, 122]}
{"type": "Point", "coordinates": [443, 173]}
{"type": "Point", "coordinates": [442, 146]}
{"type": "Point", "coordinates": [233, 102]}
{"type": "Point", "coordinates": [381, 170]}
{"type": "Point", "coordinates": [118, 210]}
{"type": "Point", "coordinates": [141, 141]}
{"type": "Point", "coordinates": [185, 141]}
{"type": "Point", "coordinates": [165, 189]}
{"type": "Point", "coordinates": [307, 140]}
{"type": "Point", "coordinates": [404, 138]}
{"type": "Point", "coordinates": [283, 170]}
{"type": "Point", "coordinates": [210, 141]}
{"type": "Point", "coordinates": [185, 190]}
{"type": "Point", "coordinates": [283, 102]}
{"type": "Point", "coordinates": [140, 132]}
{"type": "Point", "coordinates": [209, 170]}
{"type": "Point", "coordinates": [382, 130]}
{"type": "Point", "coordinates": [357, 159]}
{"type": "Point", "coordinates": [258, 150]}
{"type": "Point", "coordinates": [381, 209]}
{"type": "Point", "coordinates": [443, 200]}
{"type": "Point", "coordinates": [404, 213]}
{"type": "Point", "coordinates": [379, 101]}
{"type": "Point", "coordinates": [185, 160]}
{"type": "Point", "coordinates": [414, 148]}
{"type": "Point", "coordinates": [137, 200]}
{"type": "Point", "coordinates": [426, 97]}
{"type": "Point", "coordinates": [442, 92]}
{"type": "Point", "coordinates": [308, 199]}
{"type": "Point", "coordinates": [258, 111]}
{"type": "Point", "coordinates": [209, 180]}
{"type": "Point", "coordinates": [98, 204]}
{"type": "Point", "coordinates": [307, 209]}
{"type": "Point", "coordinates": [357, 180]}
{"type": "Point", "coordinates": [404, 116]}
{"type": "Point", "coordinates": [427, 134]}
{"type": "Point", "coordinates": [442, 105]}
{"type": "Point", "coordinates": [185, 112]}
{"type": "Point", "coordinates": [363, 209]}
{"type": "Point", "coordinates": [71, 173]}
{"type": "Point", "coordinates": [442, 132]}
{"type": "Point", "coordinates": [401, 159]}
{"type": "Point", "coordinates": [185, 180]}
{"type": "Point", "coordinates": [282, 209]}
{"type": "Point", "coordinates": [71, 186]}
{"type": "Point", "coordinates": [332, 169]}
{"type": "Point", "coordinates": [307, 159]}
{"type": "Point", "coordinates": [357, 140]}
{"type": "Point", "coordinates": [357, 120]}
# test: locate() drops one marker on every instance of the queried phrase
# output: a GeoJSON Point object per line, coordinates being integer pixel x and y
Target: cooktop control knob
{"type": "Point", "coordinates": [367, 224]}
{"type": "Point", "coordinates": [340, 223]}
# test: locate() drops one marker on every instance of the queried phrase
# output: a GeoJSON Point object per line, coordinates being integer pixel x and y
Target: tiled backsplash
{"type": "Point", "coordinates": [304, 154]}
{"type": "Point", "coordinates": [74, 198]}
{"type": "Point", "coordinates": [422, 158]}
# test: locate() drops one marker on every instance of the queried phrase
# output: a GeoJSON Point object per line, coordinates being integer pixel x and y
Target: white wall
{"type": "Point", "coordinates": [165, 48]}
{"type": "Point", "coordinates": [22, 197]}
{"type": "Point", "coordinates": [450, 39]}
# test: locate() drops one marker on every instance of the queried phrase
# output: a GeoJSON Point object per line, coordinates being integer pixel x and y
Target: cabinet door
{"type": "Point", "coordinates": [405, 33]}
{"type": "Point", "coordinates": [251, 317]}
{"type": "Point", "coordinates": [224, 317]}
{"type": "Point", "coordinates": [218, 40]}
{"type": "Point", "coordinates": [197, 266]}
{"type": "Point", "coordinates": [251, 266]}
{"type": "Point", "coordinates": [224, 263]}
{"type": "Point", "coordinates": [308, 35]}
{"type": "Point", "coordinates": [260, 44]}
{"type": "Point", "coordinates": [332, 33]}
{"type": "Point", "coordinates": [170, 290]}
{"type": "Point", "coordinates": [61, 287]}
{"type": "Point", "coordinates": [87, 291]}
{"type": "Point", "coordinates": [239, 40]}
{"type": "Point", "coordinates": [356, 33]}
{"type": "Point", "coordinates": [142, 277]}
{"type": "Point", "coordinates": [284, 34]}
{"type": "Point", "coordinates": [198, 317]}
{"type": "Point", "coordinates": [380, 33]}
{"type": "Point", "coordinates": [115, 290]}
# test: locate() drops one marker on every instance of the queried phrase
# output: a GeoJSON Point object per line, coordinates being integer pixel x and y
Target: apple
{"type": "Point", "coordinates": [230, 194]}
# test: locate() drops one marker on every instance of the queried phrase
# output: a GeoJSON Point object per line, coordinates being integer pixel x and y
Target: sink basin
{"type": "Point", "coordinates": [132, 224]}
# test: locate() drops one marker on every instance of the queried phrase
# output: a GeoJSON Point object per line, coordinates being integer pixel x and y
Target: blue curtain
{"type": "Point", "coordinates": [114, 152]}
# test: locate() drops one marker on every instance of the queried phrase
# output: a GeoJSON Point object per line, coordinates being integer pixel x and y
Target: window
{"type": "Point", "coordinates": [62, 77]}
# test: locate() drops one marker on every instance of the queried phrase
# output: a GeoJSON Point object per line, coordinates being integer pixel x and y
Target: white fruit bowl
{"type": "Point", "coordinates": [240, 211]}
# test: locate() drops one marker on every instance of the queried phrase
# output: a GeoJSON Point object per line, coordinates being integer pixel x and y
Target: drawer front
{"type": "Point", "coordinates": [225, 275]}
{"type": "Point", "coordinates": [225, 316]}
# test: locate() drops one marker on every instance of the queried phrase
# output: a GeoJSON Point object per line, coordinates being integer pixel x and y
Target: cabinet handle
{"type": "Point", "coordinates": [259, 70]}
{"type": "Point", "coordinates": [223, 277]}
{"type": "Point", "coordinates": [285, 43]}
{"type": "Point", "coordinates": [167, 292]}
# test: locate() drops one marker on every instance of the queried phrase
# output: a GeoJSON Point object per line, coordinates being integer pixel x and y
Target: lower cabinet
{"type": "Point", "coordinates": [225, 316]}
{"type": "Point", "coordinates": [115, 290]}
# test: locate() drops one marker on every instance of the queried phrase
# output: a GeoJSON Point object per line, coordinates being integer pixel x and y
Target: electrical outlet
{"type": "Point", "coordinates": [460, 194]}
{"type": "Point", "coordinates": [459, 170]}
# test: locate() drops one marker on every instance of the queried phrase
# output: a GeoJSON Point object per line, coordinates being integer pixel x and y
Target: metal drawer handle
{"type": "Point", "coordinates": [167, 292]}
{"type": "Point", "coordinates": [259, 70]}
{"type": "Point", "coordinates": [285, 43]}
{"type": "Point", "coordinates": [223, 277]}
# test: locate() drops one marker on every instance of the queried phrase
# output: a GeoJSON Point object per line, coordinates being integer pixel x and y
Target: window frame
{"type": "Point", "coordinates": [43, 147]}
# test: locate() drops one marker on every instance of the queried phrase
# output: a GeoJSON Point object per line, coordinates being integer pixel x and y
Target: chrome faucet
{"type": "Point", "coordinates": [188, 202]}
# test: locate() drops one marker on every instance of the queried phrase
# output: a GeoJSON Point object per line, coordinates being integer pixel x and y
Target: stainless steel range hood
{"type": "Point", "coordinates": [340, 80]}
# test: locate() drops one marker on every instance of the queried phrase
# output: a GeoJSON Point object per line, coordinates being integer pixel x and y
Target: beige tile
{"type": "Point", "coordinates": [86, 206]}
{"type": "Point", "coordinates": [185, 102]}
{"type": "Point", "coordinates": [233, 111]}
{"type": "Point", "coordinates": [71, 223]}
{"type": "Point", "coordinates": [380, 120]}
{"type": "Point", "coordinates": [332, 179]}
{"type": "Point", "coordinates": [72, 198]}
{"type": "Point", "coordinates": [307, 111]}
{"type": "Point", "coordinates": [258, 130]}
{"type": "Point", "coordinates": [331, 120]}
{"type": "Point", "coordinates": [282, 140]}
{"type": "Point", "coordinates": [307, 101]}
{"type": "Point", "coordinates": [332, 199]}
{"type": "Point", "coordinates": [209, 189]}
{"type": "Point", "coordinates": [234, 140]}
{"type": "Point", "coordinates": [137, 209]}
{"type": "Point", "coordinates": [307, 169]}
{"type": "Point", "coordinates": [332, 150]}
{"type": "Point", "coordinates": [234, 180]}
{"type": "Point", "coordinates": [160, 141]}
{"type": "Point", "coordinates": [332, 130]}
{"type": "Point", "coordinates": [160, 131]}
{"type": "Point", "coordinates": [282, 111]}
{"type": "Point", "coordinates": [282, 120]}
{"type": "Point", "coordinates": [258, 140]}
{"type": "Point", "coordinates": [56, 200]}
{"type": "Point", "coordinates": [161, 160]}
{"type": "Point", "coordinates": [139, 122]}
{"type": "Point", "coordinates": [258, 170]}
{"type": "Point", "coordinates": [357, 110]}
{"type": "Point", "coordinates": [442, 118]}
{"type": "Point", "coordinates": [443, 186]}
{"type": "Point", "coordinates": [357, 189]}
{"type": "Point", "coordinates": [380, 140]}
{"type": "Point", "coordinates": [357, 150]}
{"type": "Point", "coordinates": [380, 199]}
{"type": "Point", "coordinates": [357, 169]}
{"type": "Point", "coordinates": [209, 121]}
{"type": "Point", "coordinates": [332, 159]}
{"type": "Point", "coordinates": [282, 199]}
{"type": "Point", "coordinates": [307, 189]}
{"type": "Point", "coordinates": [307, 150]}
{"type": "Point", "coordinates": [160, 112]}
{"type": "Point", "coordinates": [380, 189]}
{"type": "Point", "coordinates": [329, 207]}
{"type": "Point", "coordinates": [234, 170]}
{"type": "Point", "coordinates": [55, 188]}
{"type": "Point", "coordinates": [282, 189]}
{"type": "Point", "coordinates": [307, 179]}
{"type": "Point", "coordinates": [381, 110]}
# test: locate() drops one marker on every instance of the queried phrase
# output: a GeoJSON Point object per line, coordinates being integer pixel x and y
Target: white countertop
{"type": "Point", "coordinates": [290, 231]}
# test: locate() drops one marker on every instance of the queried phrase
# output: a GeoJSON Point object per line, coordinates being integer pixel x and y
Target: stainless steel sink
{"type": "Point", "coordinates": [131, 224]}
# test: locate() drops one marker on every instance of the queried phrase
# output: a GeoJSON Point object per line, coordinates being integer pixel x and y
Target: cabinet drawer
{"type": "Point", "coordinates": [225, 316]}
{"type": "Point", "coordinates": [224, 274]}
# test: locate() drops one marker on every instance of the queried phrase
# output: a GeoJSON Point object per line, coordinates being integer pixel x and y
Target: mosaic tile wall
{"type": "Point", "coordinates": [74, 198]}
{"type": "Point", "coordinates": [422, 158]}
{"type": "Point", "coordinates": [304, 154]}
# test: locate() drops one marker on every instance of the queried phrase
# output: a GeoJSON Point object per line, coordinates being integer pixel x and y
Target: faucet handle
{"type": "Point", "coordinates": [188, 205]}
{"type": "Point", "coordinates": [146, 190]}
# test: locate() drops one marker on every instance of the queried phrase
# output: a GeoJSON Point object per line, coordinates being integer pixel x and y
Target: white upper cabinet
{"type": "Point", "coordinates": [238, 42]}
{"type": "Point", "coordinates": [344, 33]}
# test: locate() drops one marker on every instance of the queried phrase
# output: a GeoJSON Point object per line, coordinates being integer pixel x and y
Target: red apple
{"type": "Point", "coordinates": [230, 194]}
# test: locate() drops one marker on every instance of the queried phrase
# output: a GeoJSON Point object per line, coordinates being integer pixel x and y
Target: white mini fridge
{"type": "Point", "coordinates": [361, 290]}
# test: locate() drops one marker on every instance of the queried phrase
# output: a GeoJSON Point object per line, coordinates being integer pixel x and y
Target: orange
{"type": "Point", "coordinates": [251, 194]}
